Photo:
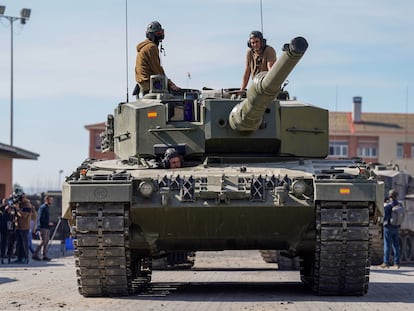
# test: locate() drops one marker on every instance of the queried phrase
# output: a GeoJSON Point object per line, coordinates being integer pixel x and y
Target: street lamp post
{"type": "Point", "coordinates": [60, 175]}
{"type": "Point", "coordinates": [24, 15]}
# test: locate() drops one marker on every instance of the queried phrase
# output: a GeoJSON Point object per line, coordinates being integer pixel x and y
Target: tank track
{"type": "Point", "coordinates": [340, 265]}
{"type": "Point", "coordinates": [103, 258]}
{"type": "Point", "coordinates": [377, 247]}
{"type": "Point", "coordinates": [407, 246]}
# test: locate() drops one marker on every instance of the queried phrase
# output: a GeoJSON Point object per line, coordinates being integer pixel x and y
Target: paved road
{"type": "Point", "coordinates": [225, 281]}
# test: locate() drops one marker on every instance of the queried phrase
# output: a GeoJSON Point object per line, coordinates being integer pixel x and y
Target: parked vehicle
{"type": "Point", "coordinates": [402, 182]}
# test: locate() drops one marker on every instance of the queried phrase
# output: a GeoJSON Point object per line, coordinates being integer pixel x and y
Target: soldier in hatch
{"type": "Point", "coordinates": [148, 60]}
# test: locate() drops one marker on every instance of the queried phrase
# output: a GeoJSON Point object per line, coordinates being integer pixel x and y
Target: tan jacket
{"type": "Point", "coordinates": [24, 212]}
{"type": "Point", "coordinates": [147, 64]}
{"type": "Point", "coordinates": [257, 62]}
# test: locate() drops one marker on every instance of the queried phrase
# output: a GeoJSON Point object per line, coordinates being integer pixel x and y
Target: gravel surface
{"type": "Point", "coordinates": [228, 280]}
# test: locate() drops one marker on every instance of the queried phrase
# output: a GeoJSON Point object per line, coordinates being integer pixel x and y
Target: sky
{"type": "Point", "coordinates": [74, 62]}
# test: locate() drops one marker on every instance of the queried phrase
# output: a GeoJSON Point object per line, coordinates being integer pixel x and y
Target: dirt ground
{"type": "Point", "coordinates": [230, 280]}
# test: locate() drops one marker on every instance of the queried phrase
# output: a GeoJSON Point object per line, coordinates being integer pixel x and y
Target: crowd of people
{"type": "Point", "coordinates": [19, 221]}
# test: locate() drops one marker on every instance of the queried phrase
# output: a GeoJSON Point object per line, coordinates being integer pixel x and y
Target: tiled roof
{"type": "Point", "coordinates": [371, 123]}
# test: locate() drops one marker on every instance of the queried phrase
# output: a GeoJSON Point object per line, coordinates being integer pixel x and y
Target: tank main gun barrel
{"type": "Point", "coordinates": [247, 115]}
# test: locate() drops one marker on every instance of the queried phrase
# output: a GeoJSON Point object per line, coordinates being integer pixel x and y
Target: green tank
{"type": "Point", "coordinates": [255, 177]}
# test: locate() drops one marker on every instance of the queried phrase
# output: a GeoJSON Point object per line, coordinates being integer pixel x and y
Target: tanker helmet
{"type": "Point", "coordinates": [256, 34]}
{"type": "Point", "coordinates": [155, 32]}
{"type": "Point", "coordinates": [168, 155]}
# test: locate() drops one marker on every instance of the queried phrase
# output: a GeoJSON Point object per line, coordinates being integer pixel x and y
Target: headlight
{"type": "Point", "coordinates": [146, 189]}
{"type": "Point", "coordinates": [298, 188]}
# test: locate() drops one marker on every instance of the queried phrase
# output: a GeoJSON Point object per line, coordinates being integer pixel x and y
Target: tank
{"type": "Point", "coordinates": [255, 177]}
{"type": "Point", "coordinates": [402, 182]}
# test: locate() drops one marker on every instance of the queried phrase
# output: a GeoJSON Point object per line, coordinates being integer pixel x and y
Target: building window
{"type": "Point", "coordinates": [338, 149]}
{"type": "Point", "coordinates": [367, 150]}
{"type": "Point", "coordinates": [98, 141]}
{"type": "Point", "coordinates": [400, 151]}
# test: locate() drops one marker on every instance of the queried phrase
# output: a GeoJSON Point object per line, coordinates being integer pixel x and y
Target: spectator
{"type": "Point", "coordinates": [43, 225]}
{"type": "Point", "coordinates": [391, 233]}
{"type": "Point", "coordinates": [33, 219]}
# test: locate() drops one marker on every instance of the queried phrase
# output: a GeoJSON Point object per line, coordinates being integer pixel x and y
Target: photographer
{"type": "Point", "coordinates": [24, 212]}
{"type": "Point", "coordinates": [8, 228]}
{"type": "Point", "coordinates": [4, 215]}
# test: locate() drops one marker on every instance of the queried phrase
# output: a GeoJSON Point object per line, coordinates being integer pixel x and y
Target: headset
{"type": "Point", "coordinates": [155, 32]}
{"type": "Point", "coordinates": [168, 155]}
{"type": "Point", "coordinates": [256, 34]}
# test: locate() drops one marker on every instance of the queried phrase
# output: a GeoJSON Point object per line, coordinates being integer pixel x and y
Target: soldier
{"type": "Point", "coordinates": [260, 57]}
{"type": "Point", "coordinates": [172, 159]}
{"type": "Point", "coordinates": [148, 60]}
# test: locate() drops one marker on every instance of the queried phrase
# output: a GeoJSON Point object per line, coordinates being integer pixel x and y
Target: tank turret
{"type": "Point", "coordinates": [207, 124]}
{"type": "Point", "coordinates": [247, 115]}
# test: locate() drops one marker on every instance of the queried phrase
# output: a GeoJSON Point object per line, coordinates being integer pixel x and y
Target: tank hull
{"type": "Point", "coordinates": [223, 207]}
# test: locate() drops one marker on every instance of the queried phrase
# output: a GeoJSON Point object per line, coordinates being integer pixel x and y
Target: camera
{"type": "Point", "coordinates": [15, 197]}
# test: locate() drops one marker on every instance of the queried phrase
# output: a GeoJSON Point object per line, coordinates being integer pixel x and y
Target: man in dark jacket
{"type": "Point", "coordinates": [148, 59]}
{"type": "Point", "coordinates": [43, 225]}
{"type": "Point", "coordinates": [391, 233]}
{"type": "Point", "coordinates": [4, 217]}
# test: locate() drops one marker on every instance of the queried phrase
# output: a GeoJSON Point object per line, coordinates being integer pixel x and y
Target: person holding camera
{"type": "Point", "coordinates": [4, 216]}
{"type": "Point", "coordinates": [9, 210]}
{"type": "Point", "coordinates": [43, 226]}
{"type": "Point", "coordinates": [24, 213]}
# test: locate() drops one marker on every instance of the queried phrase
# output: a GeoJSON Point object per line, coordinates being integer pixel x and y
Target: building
{"type": "Point", "coordinates": [7, 154]}
{"type": "Point", "coordinates": [95, 140]}
{"type": "Point", "coordinates": [374, 137]}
